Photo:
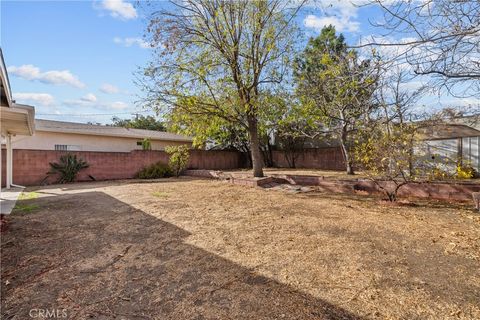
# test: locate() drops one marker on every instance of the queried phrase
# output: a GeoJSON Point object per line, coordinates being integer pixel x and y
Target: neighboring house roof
{"type": "Point", "coordinates": [472, 121]}
{"type": "Point", "coordinates": [448, 131]}
{"type": "Point", "coordinates": [101, 130]}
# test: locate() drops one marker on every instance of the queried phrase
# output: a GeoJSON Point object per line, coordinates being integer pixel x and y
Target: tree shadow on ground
{"type": "Point", "coordinates": [100, 258]}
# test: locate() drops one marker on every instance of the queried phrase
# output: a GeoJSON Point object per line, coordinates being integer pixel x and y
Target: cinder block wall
{"type": "Point", "coordinates": [322, 158]}
{"type": "Point", "coordinates": [31, 166]}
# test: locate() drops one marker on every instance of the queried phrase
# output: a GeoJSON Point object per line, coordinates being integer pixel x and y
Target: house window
{"type": "Point", "coordinates": [66, 147]}
{"type": "Point", "coordinates": [139, 143]}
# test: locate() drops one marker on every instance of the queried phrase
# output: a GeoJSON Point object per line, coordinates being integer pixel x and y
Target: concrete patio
{"type": "Point", "coordinates": [8, 198]}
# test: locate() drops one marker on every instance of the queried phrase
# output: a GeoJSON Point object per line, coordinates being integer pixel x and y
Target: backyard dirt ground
{"type": "Point", "coordinates": [201, 249]}
{"type": "Point", "coordinates": [327, 174]}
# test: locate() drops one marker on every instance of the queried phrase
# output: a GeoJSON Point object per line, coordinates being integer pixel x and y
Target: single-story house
{"type": "Point", "coordinates": [16, 120]}
{"type": "Point", "coordinates": [445, 143]}
{"type": "Point", "coordinates": [455, 140]}
{"type": "Point", "coordinates": [70, 136]}
{"type": "Point", "coordinates": [20, 130]}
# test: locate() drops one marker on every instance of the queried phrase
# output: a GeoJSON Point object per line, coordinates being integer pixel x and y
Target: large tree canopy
{"type": "Point", "coordinates": [216, 57]}
{"type": "Point", "coordinates": [140, 122]}
{"type": "Point", "coordinates": [335, 87]}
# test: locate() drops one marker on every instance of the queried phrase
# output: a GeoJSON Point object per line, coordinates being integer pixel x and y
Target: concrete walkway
{"type": "Point", "coordinates": [8, 198]}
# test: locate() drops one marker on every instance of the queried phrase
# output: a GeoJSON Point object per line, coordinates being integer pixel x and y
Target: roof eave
{"type": "Point", "coordinates": [5, 80]}
{"type": "Point", "coordinates": [18, 120]}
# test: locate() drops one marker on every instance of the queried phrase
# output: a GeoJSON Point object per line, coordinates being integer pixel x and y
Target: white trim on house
{"type": "Point", "coordinates": [5, 82]}
{"type": "Point", "coordinates": [15, 119]}
{"type": "Point", "coordinates": [109, 131]}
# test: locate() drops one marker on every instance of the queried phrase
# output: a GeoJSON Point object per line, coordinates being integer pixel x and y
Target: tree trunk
{"type": "Point", "coordinates": [346, 152]}
{"type": "Point", "coordinates": [248, 159]}
{"type": "Point", "coordinates": [257, 161]}
{"type": "Point", "coordinates": [266, 151]}
{"type": "Point", "coordinates": [269, 162]}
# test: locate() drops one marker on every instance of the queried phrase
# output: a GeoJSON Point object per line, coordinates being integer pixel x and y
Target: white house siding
{"type": "Point", "coordinates": [448, 150]}
{"type": "Point", "coordinates": [43, 140]}
{"type": "Point", "coordinates": [471, 151]}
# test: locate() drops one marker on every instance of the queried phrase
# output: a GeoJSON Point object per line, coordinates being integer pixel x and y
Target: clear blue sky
{"type": "Point", "coordinates": [72, 59]}
{"type": "Point", "coordinates": [77, 57]}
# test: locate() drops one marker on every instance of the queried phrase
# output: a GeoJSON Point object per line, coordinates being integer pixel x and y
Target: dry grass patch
{"type": "Point", "coordinates": [209, 249]}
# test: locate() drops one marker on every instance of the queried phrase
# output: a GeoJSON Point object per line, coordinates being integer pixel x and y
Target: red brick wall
{"type": "Point", "coordinates": [455, 191]}
{"type": "Point", "coordinates": [450, 191]}
{"type": "Point", "coordinates": [324, 158]}
{"type": "Point", "coordinates": [30, 166]}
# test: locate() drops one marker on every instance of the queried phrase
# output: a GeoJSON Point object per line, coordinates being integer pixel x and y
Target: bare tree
{"type": "Point", "coordinates": [395, 96]}
{"type": "Point", "coordinates": [396, 101]}
{"type": "Point", "coordinates": [438, 38]}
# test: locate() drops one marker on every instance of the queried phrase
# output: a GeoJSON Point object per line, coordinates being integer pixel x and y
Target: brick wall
{"type": "Point", "coordinates": [30, 166]}
{"type": "Point", "coordinates": [454, 191]}
{"type": "Point", "coordinates": [323, 158]}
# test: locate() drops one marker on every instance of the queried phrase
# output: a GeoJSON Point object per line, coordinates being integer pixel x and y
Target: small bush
{"type": "Point", "coordinates": [465, 172]}
{"type": "Point", "coordinates": [146, 144]}
{"type": "Point", "coordinates": [178, 160]}
{"type": "Point", "coordinates": [154, 171]}
{"type": "Point", "coordinates": [437, 173]}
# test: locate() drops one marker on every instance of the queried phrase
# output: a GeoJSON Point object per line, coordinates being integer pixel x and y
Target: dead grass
{"type": "Point", "coordinates": [200, 249]}
{"type": "Point", "coordinates": [329, 174]}
{"type": "Point", "coordinates": [317, 172]}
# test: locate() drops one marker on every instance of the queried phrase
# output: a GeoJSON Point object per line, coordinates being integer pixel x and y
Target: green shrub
{"type": "Point", "coordinates": [178, 160]}
{"type": "Point", "coordinates": [154, 171]}
{"type": "Point", "coordinates": [146, 144]}
{"type": "Point", "coordinates": [67, 168]}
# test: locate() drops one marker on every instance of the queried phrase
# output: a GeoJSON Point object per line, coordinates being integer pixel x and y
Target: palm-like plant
{"type": "Point", "coordinates": [67, 168]}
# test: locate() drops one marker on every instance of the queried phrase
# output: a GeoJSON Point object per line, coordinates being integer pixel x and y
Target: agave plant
{"type": "Point", "coordinates": [67, 168]}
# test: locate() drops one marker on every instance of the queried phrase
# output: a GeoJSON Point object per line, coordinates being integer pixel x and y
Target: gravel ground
{"type": "Point", "coordinates": [201, 249]}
